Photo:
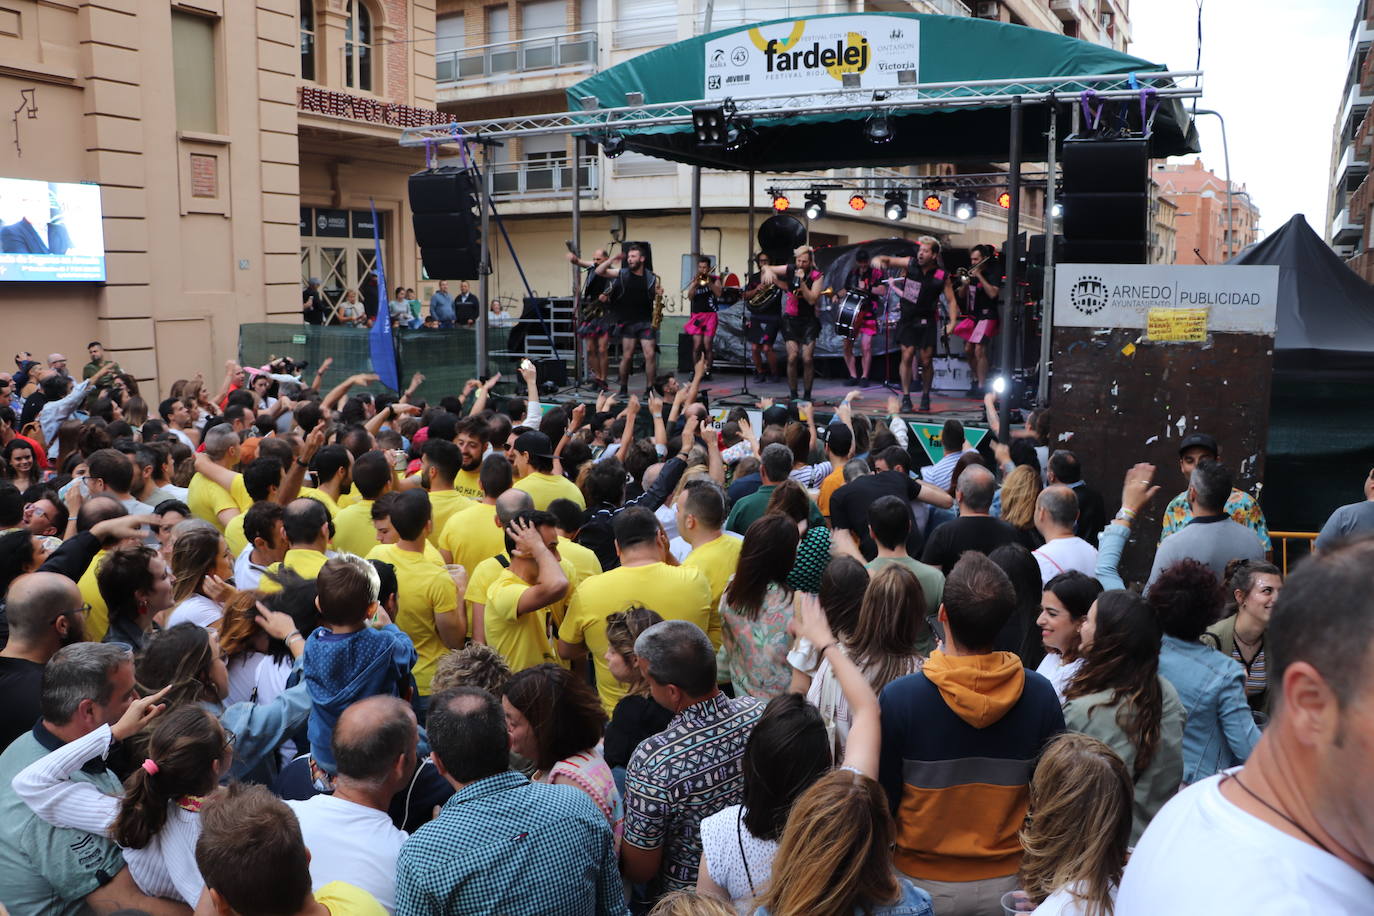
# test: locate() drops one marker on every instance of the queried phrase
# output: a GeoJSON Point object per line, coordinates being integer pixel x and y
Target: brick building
{"type": "Point", "coordinates": [1201, 222]}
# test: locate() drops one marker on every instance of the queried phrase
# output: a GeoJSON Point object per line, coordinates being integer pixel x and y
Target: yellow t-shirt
{"type": "Point", "coordinates": [353, 531]}
{"type": "Point", "coordinates": [208, 499]}
{"type": "Point", "coordinates": [584, 561]}
{"type": "Point", "coordinates": [299, 560]}
{"type": "Point", "coordinates": [346, 900]}
{"type": "Point", "coordinates": [469, 483]}
{"type": "Point", "coordinates": [443, 505]}
{"type": "Point", "coordinates": [484, 575]}
{"type": "Point", "coordinates": [425, 592]}
{"type": "Point", "coordinates": [351, 497]}
{"type": "Point", "coordinates": [471, 536]}
{"type": "Point", "coordinates": [675, 592]}
{"type": "Point", "coordinates": [717, 561]}
{"type": "Point", "coordinates": [545, 488]}
{"type": "Point", "coordinates": [98, 617]}
{"type": "Point", "coordinates": [383, 552]}
{"type": "Point", "coordinates": [323, 497]}
{"type": "Point", "coordinates": [522, 639]}
{"type": "Point", "coordinates": [233, 534]}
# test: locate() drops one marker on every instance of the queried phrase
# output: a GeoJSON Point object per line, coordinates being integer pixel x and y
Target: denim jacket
{"type": "Point", "coordinates": [1220, 731]}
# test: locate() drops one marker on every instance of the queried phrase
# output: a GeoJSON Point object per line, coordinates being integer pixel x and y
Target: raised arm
{"type": "Point", "coordinates": [609, 267]}
{"type": "Point", "coordinates": [319, 373]}
{"type": "Point", "coordinates": [479, 402]}
{"type": "Point", "coordinates": [553, 582]}
{"type": "Point", "coordinates": [291, 483]}
{"type": "Point", "coordinates": [337, 393]}
{"type": "Point", "coordinates": [628, 437]}
{"type": "Point", "coordinates": [865, 733]}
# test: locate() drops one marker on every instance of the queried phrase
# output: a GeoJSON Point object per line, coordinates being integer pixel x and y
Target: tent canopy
{"type": "Point", "coordinates": [964, 70]}
{"type": "Point", "coordinates": [1323, 304]}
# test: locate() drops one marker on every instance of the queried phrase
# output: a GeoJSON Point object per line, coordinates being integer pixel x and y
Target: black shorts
{"type": "Point", "coordinates": [801, 330]}
{"type": "Point", "coordinates": [761, 329]}
{"type": "Point", "coordinates": [639, 330]}
{"type": "Point", "coordinates": [921, 335]}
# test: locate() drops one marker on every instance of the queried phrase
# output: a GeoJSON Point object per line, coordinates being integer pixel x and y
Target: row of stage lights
{"type": "Point", "coordinates": [895, 204]}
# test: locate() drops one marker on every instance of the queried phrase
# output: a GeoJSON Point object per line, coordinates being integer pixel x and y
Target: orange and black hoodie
{"type": "Point", "coordinates": [960, 741]}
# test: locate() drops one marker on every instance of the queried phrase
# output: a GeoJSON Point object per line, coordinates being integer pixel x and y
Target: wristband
{"type": "Point", "coordinates": [293, 633]}
{"type": "Point", "coordinates": [304, 464]}
{"type": "Point", "coordinates": [1126, 514]}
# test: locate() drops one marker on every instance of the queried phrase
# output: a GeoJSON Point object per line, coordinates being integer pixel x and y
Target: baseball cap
{"type": "Point", "coordinates": [1198, 440]}
{"type": "Point", "coordinates": [534, 443]}
{"type": "Point", "coordinates": [56, 357]}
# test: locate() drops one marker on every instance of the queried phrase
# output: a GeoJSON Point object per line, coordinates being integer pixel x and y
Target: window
{"type": "Point", "coordinates": [308, 39]}
{"type": "Point", "coordinates": [644, 23]}
{"type": "Point", "coordinates": [450, 38]}
{"type": "Point", "coordinates": [193, 68]}
{"type": "Point", "coordinates": [358, 47]}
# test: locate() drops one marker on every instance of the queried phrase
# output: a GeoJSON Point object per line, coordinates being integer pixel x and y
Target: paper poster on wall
{"type": "Point", "coordinates": [812, 55]}
{"type": "Point", "coordinates": [1176, 325]}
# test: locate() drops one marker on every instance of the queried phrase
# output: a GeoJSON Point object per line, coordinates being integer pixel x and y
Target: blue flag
{"type": "Point", "coordinates": [379, 340]}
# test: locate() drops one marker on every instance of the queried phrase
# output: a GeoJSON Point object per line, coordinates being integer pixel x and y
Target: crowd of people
{"type": "Point", "coordinates": [285, 646]}
{"type": "Point", "coordinates": [349, 308]}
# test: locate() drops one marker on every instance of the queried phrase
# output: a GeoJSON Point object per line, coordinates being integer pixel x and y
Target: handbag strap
{"type": "Point", "coordinates": [743, 857]}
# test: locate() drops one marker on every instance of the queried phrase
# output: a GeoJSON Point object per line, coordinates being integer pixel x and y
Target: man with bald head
{"type": "Point", "coordinates": [45, 613]}
{"type": "Point", "coordinates": [350, 834]}
{"type": "Point", "coordinates": [488, 569]}
{"type": "Point", "coordinates": [308, 529]}
{"type": "Point", "coordinates": [1056, 513]}
{"type": "Point", "coordinates": [975, 528]}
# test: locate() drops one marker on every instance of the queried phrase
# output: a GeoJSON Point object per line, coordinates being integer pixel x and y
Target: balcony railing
{"type": "Point", "coordinates": [949, 7]}
{"type": "Point", "coordinates": [575, 49]}
{"type": "Point", "coordinates": [542, 177]}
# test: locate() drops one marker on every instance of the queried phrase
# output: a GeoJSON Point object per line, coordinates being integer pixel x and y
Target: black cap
{"type": "Point", "coordinates": [777, 415]}
{"type": "Point", "coordinates": [534, 443]}
{"type": "Point", "coordinates": [1198, 440]}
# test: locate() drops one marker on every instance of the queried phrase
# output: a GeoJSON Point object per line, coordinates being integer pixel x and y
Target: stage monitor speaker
{"type": "Point", "coordinates": [451, 263]}
{"type": "Point", "coordinates": [648, 253]}
{"type": "Point", "coordinates": [551, 370]}
{"type": "Point", "coordinates": [446, 213]}
{"type": "Point", "coordinates": [1106, 201]}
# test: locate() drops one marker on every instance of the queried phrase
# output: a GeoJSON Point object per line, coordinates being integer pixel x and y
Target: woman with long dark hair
{"type": "Point", "coordinates": [201, 566]}
{"type": "Point", "coordinates": [1020, 634]}
{"type": "Point", "coordinates": [1064, 607]}
{"type": "Point", "coordinates": [813, 548]}
{"type": "Point", "coordinates": [1119, 697]}
{"type": "Point", "coordinates": [20, 464]}
{"type": "Point", "coordinates": [757, 607]}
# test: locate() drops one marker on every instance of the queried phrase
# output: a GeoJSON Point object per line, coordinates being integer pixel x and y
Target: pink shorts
{"type": "Point", "coordinates": [702, 323]}
{"type": "Point", "coordinates": [976, 331]}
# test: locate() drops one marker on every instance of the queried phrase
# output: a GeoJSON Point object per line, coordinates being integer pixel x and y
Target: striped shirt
{"type": "Point", "coordinates": [1256, 679]}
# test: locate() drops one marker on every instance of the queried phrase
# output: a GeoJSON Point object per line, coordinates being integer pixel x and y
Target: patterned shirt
{"type": "Point", "coordinates": [757, 648]}
{"type": "Point", "coordinates": [506, 845]}
{"type": "Point", "coordinates": [687, 772]}
{"type": "Point", "coordinates": [1241, 507]}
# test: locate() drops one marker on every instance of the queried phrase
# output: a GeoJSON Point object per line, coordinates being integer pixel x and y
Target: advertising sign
{"type": "Point", "coordinates": [810, 55]}
{"type": "Point", "coordinates": [50, 231]}
{"type": "Point", "coordinates": [1170, 302]}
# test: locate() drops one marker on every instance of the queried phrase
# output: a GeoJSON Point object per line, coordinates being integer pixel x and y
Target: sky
{"type": "Point", "coordinates": [1274, 69]}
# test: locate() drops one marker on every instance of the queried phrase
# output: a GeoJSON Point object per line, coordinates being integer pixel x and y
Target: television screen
{"type": "Point", "coordinates": [50, 231]}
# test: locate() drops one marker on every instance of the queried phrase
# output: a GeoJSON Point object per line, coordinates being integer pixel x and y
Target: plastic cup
{"type": "Point", "coordinates": [1016, 903]}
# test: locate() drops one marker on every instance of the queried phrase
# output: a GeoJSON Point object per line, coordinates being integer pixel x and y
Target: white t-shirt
{"type": "Point", "coordinates": [1064, 554]}
{"type": "Point", "coordinates": [1052, 666]}
{"type": "Point", "coordinates": [723, 837]}
{"type": "Point", "coordinates": [1063, 903]}
{"type": "Point", "coordinates": [1202, 854]}
{"type": "Point", "coordinates": [247, 574]}
{"type": "Point", "coordinates": [351, 843]}
{"type": "Point", "coordinates": [196, 609]}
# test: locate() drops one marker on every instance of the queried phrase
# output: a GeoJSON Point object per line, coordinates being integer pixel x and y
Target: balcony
{"type": "Point", "coordinates": [948, 7]}
{"type": "Point", "coordinates": [573, 52]}
{"type": "Point", "coordinates": [542, 178]}
{"type": "Point", "coordinates": [1344, 230]}
{"type": "Point", "coordinates": [1069, 10]}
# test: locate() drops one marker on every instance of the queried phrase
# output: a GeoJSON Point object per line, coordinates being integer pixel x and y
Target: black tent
{"type": "Point", "coordinates": [1321, 441]}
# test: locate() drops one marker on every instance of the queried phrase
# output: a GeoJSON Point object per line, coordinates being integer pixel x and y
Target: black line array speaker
{"type": "Point", "coordinates": [1106, 201]}
{"type": "Point", "coordinates": [446, 211]}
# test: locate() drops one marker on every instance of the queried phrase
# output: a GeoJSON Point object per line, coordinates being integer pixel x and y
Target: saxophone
{"type": "Point", "coordinates": [658, 309]}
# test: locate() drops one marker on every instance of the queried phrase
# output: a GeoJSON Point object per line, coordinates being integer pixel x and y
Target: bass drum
{"type": "Point", "coordinates": [849, 314]}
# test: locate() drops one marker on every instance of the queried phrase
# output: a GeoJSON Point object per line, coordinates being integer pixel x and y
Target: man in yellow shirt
{"type": "Point", "coordinates": [471, 438]}
{"type": "Point", "coordinates": [534, 472]}
{"type": "Point", "coordinates": [386, 534]}
{"type": "Point", "coordinates": [353, 525]}
{"type": "Point", "coordinates": [426, 596]}
{"type": "Point", "coordinates": [308, 529]}
{"type": "Point", "coordinates": [93, 511]}
{"type": "Point", "coordinates": [517, 604]}
{"type": "Point", "coordinates": [440, 462]}
{"type": "Point", "coordinates": [569, 521]}
{"type": "Point", "coordinates": [207, 499]}
{"type": "Point", "coordinates": [485, 570]}
{"type": "Point", "coordinates": [261, 480]}
{"type": "Point", "coordinates": [473, 534]}
{"type": "Point", "coordinates": [643, 579]}
{"type": "Point", "coordinates": [333, 467]}
{"type": "Point", "coordinates": [700, 516]}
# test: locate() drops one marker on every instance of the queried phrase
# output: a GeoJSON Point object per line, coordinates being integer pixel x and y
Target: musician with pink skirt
{"type": "Point", "coordinates": [978, 295]}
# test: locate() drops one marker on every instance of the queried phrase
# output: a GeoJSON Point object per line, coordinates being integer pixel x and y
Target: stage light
{"type": "Point", "coordinates": [613, 145]}
{"type": "Point", "coordinates": [965, 205]}
{"type": "Point", "coordinates": [999, 385]}
{"type": "Point", "coordinates": [815, 205]}
{"type": "Point", "coordinates": [878, 128]}
{"type": "Point", "coordinates": [857, 202]}
{"type": "Point", "coordinates": [709, 125]}
{"type": "Point", "coordinates": [932, 202]}
{"type": "Point", "coordinates": [781, 203]}
{"type": "Point", "coordinates": [895, 208]}
{"type": "Point", "coordinates": [1056, 211]}
{"type": "Point", "coordinates": [739, 132]}
{"type": "Point", "coordinates": [1004, 200]}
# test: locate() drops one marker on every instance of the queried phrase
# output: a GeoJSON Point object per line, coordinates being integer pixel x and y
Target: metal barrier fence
{"type": "Point", "coordinates": [1302, 544]}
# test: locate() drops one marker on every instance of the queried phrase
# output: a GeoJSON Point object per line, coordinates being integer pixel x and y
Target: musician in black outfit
{"type": "Point", "coordinates": [633, 292]}
{"type": "Point", "coordinates": [593, 328]}
{"type": "Point", "coordinates": [704, 295]}
{"type": "Point", "coordinates": [801, 326]}
{"type": "Point", "coordinates": [761, 324]}
{"type": "Point", "coordinates": [918, 328]}
{"type": "Point", "coordinates": [978, 301]}
{"type": "Point", "coordinates": [868, 281]}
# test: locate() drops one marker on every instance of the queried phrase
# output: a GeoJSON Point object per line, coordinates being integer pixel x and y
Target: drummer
{"type": "Point", "coordinates": [866, 280]}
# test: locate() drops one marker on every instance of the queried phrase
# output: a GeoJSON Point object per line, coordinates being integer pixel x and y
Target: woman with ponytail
{"type": "Point", "coordinates": [157, 821]}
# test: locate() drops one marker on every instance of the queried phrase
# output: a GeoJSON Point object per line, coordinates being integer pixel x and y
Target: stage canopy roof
{"type": "Point", "coordinates": [946, 82]}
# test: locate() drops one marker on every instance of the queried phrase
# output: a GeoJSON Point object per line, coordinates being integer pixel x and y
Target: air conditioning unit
{"type": "Point", "coordinates": [987, 9]}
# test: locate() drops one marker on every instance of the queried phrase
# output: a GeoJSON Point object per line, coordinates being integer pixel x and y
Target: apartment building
{"type": "Point", "coordinates": [519, 57]}
{"type": "Point", "coordinates": [1163, 225]}
{"type": "Point", "coordinates": [1350, 211]}
{"type": "Point", "coordinates": [1206, 232]}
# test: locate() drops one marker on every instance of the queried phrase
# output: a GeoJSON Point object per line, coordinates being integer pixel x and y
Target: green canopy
{"type": "Point", "coordinates": [961, 71]}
